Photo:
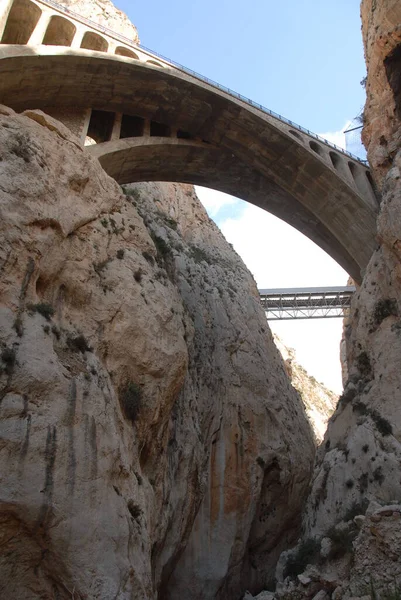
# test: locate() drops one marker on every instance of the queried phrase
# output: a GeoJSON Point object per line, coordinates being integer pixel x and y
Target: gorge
{"type": "Point", "coordinates": [152, 444]}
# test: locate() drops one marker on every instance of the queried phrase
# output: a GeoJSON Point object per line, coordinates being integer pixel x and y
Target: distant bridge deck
{"type": "Point", "coordinates": [153, 120]}
{"type": "Point", "coordinates": [306, 303]}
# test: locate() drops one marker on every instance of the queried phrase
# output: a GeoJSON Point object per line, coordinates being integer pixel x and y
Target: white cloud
{"type": "Point", "coordinates": [336, 137]}
{"type": "Point", "coordinates": [213, 200]}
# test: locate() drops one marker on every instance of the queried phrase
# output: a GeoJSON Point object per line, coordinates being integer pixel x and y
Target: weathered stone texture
{"type": "Point", "coordinates": [381, 31]}
{"type": "Point", "coordinates": [151, 443]}
{"type": "Point", "coordinates": [319, 401]}
{"type": "Point", "coordinates": [104, 13]}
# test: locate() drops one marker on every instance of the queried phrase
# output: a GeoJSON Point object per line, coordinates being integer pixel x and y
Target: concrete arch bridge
{"type": "Point", "coordinates": [154, 121]}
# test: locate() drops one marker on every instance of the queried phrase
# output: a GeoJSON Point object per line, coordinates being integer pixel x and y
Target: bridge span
{"type": "Point", "coordinates": [153, 120]}
{"type": "Point", "coordinates": [283, 304]}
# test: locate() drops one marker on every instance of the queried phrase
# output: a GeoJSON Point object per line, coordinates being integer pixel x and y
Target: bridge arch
{"type": "Point", "coordinates": [21, 22]}
{"type": "Point", "coordinates": [94, 41]}
{"type": "Point", "coordinates": [317, 148]}
{"type": "Point", "coordinates": [245, 152]}
{"type": "Point", "coordinates": [295, 134]}
{"type": "Point", "coordinates": [60, 32]}
{"type": "Point", "coordinates": [154, 63]}
{"type": "Point", "coordinates": [122, 51]}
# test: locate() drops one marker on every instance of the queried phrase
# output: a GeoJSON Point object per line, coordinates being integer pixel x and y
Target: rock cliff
{"type": "Point", "coordinates": [151, 443]}
{"type": "Point", "coordinates": [352, 521]}
{"type": "Point", "coordinates": [319, 402]}
{"type": "Point", "coordinates": [105, 13]}
{"type": "Point", "coordinates": [362, 445]}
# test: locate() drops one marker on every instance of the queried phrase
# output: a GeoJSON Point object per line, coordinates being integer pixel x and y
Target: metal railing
{"type": "Point", "coordinates": [188, 71]}
{"type": "Point", "coordinates": [306, 303]}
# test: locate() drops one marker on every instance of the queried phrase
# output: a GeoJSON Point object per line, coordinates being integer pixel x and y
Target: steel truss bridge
{"type": "Point", "coordinates": [306, 303]}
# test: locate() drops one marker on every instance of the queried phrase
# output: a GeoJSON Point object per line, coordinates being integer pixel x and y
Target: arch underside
{"type": "Point", "coordinates": [247, 153]}
{"type": "Point", "coordinates": [163, 159]}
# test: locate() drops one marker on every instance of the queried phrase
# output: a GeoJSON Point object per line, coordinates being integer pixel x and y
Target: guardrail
{"type": "Point", "coordinates": [306, 303]}
{"type": "Point", "coordinates": [215, 84]}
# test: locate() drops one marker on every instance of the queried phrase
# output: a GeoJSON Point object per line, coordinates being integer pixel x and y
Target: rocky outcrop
{"type": "Point", "coordinates": [382, 40]}
{"type": "Point", "coordinates": [151, 442]}
{"type": "Point", "coordinates": [319, 402]}
{"type": "Point", "coordinates": [106, 14]}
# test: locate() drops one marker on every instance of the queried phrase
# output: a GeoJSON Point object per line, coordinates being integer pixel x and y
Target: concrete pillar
{"type": "Point", "coordinates": [112, 46]}
{"type": "Point", "coordinates": [4, 12]}
{"type": "Point", "coordinates": [116, 133]}
{"type": "Point", "coordinates": [40, 30]}
{"type": "Point", "coordinates": [78, 37]}
{"type": "Point", "coordinates": [85, 125]}
{"type": "Point", "coordinates": [146, 128]}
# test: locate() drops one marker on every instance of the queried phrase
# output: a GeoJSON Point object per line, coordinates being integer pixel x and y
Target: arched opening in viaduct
{"type": "Point", "coordinates": [362, 182]}
{"type": "Point", "coordinates": [60, 32]}
{"type": "Point", "coordinates": [101, 126]}
{"type": "Point", "coordinates": [22, 20]}
{"type": "Point", "coordinates": [339, 164]}
{"type": "Point", "coordinates": [154, 63]}
{"type": "Point", "coordinates": [94, 41]}
{"type": "Point", "coordinates": [121, 51]}
{"type": "Point", "coordinates": [132, 126]}
{"type": "Point", "coordinates": [159, 129]}
{"type": "Point", "coordinates": [316, 148]}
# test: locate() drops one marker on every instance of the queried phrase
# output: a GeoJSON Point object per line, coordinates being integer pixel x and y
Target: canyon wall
{"type": "Point", "coordinates": [352, 525]}
{"type": "Point", "coordinates": [319, 402]}
{"type": "Point", "coordinates": [362, 446]}
{"type": "Point", "coordinates": [152, 445]}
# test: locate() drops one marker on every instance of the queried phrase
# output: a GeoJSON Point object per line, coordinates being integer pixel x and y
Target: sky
{"type": "Point", "coordinates": [304, 60]}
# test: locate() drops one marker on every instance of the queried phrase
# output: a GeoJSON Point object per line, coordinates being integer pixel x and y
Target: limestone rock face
{"type": "Point", "coordinates": [382, 40]}
{"type": "Point", "coordinates": [319, 401]}
{"type": "Point", "coordinates": [374, 543]}
{"type": "Point", "coordinates": [362, 448]}
{"type": "Point", "coordinates": [151, 443]}
{"type": "Point", "coordinates": [104, 13]}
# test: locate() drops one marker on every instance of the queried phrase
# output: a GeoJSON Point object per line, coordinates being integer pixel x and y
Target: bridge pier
{"type": "Point", "coordinates": [78, 37]}
{"type": "Point", "coordinates": [116, 132]}
{"type": "Point", "coordinates": [40, 30]}
{"type": "Point", "coordinates": [4, 15]}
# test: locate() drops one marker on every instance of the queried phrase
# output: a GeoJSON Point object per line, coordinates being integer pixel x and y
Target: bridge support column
{"type": "Point", "coordinates": [116, 133]}
{"type": "Point", "coordinates": [146, 128]}
{"type": "Point", "coordinates": [78, 37]}
{"type": "Point", "coordinates": [5, 11]}
{"type": "Point", "coordinates": [112, 47]}
{"type": "Point", "coordinates": [85, 125]}
{"type": "Point", "coordinates": [40, 30]}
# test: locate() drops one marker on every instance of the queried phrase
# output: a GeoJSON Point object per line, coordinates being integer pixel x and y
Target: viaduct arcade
{"type": "Point", "coordinates": [149, 119]}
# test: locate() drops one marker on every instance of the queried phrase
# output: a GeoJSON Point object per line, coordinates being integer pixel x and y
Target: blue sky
{"type": "Point", "coordinates": [304, 60]}
{"type": "Point", "coordinates": [301, 58]}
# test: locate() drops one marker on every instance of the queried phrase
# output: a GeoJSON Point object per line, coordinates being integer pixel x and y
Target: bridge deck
{"type": "Point", "coordinates": [180, 67]}
{"type": "Point", "coordinates": [306, 303]}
